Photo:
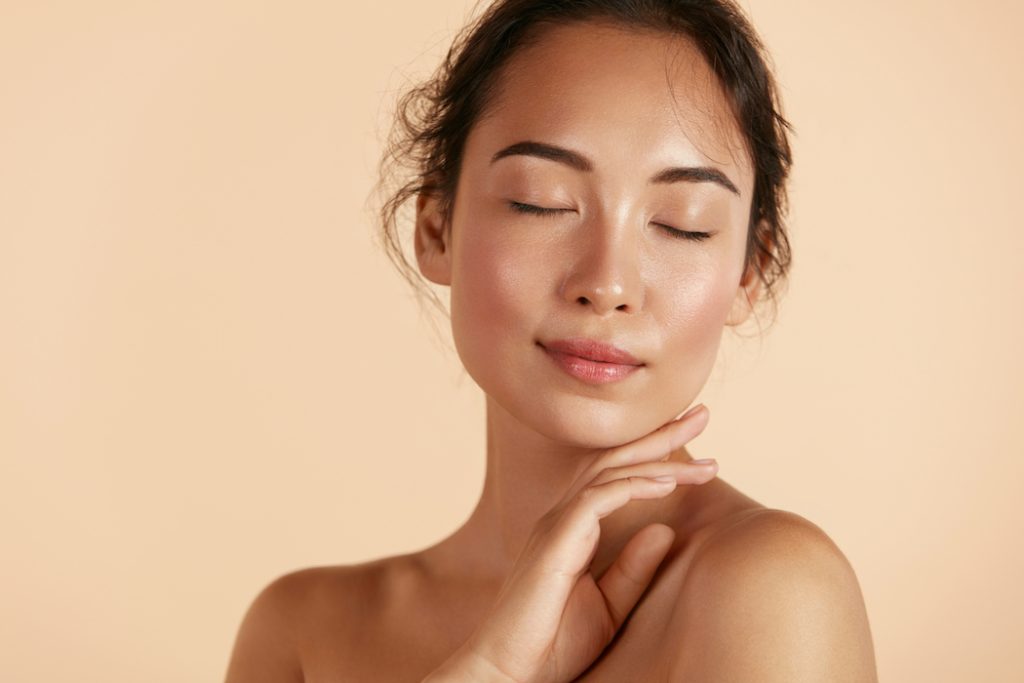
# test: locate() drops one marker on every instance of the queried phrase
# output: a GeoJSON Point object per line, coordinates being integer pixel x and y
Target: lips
{"type": "Point", "coordinates": [591, 349]}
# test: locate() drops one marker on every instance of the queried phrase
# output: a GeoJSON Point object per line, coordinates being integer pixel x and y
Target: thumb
{"type": "Point", "coordinates": [628, 577]}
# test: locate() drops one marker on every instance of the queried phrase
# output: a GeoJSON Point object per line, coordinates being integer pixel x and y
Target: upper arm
{"type": "Point", "coordinates": [771, 598]}
{"type": "Point", "coordinates": [265, 646]}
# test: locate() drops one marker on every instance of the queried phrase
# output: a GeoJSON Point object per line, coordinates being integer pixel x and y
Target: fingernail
{"type": "Point", "coordinates": [703, 461]}
{"type": "Point", "coordinates": [690, 411]}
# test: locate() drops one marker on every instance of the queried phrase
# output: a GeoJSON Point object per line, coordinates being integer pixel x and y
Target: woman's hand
{"type": "Point", "coordinates": [551, 618]}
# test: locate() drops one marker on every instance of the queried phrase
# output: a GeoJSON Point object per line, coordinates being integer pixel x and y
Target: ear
{"type": "Point", "coordinates": [431, 239]}
{"type": "Point", "coordinates": [749, 289]}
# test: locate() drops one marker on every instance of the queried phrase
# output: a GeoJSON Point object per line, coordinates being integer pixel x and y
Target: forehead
{"type": "Point", "coordinates": [618, 93]}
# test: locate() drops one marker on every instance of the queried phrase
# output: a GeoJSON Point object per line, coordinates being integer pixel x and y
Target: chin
{"type": "Point", "coordinates": [586, 419]}
{"type": "Point", "coordinates": [586, 422]}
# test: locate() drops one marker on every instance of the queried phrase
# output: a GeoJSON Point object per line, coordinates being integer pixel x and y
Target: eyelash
{"type": "Point", "coordinates": [541, 211]}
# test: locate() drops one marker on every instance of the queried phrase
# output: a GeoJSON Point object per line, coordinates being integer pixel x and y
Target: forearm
{"type": "Point", "coordinates": [467, 668]}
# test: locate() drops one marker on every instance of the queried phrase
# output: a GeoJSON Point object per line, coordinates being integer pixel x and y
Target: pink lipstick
{"type": "Point", "coordinates": [591, 361]}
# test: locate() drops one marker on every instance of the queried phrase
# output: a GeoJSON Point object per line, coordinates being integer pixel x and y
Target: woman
{"type": "Point", "coordinates": [601, 185]}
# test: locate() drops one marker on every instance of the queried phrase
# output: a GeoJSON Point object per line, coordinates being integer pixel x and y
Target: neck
{"type": "Point", "coordinates": [528, 474]}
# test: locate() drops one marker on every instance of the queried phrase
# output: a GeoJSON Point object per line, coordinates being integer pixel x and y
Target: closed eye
{"type": "Point", "coordinates": [538, 210]}
{"type": "Point", "coordinates": [542, 211]}
{"type": "Point", "coordinates": [692, 235]}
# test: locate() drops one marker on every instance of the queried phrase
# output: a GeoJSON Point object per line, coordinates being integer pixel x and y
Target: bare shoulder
{"type": "Point", "coordinates": [281, 623]}
{"type": "Point", "coordinates": [770, 597]}
{"type": "Point", "coordinates": [265, 646]}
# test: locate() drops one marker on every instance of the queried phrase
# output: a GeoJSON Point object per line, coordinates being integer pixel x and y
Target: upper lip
{"type": "Point", "coordinates": [592, 349]}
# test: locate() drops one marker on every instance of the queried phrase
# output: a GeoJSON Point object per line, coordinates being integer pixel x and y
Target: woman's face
{"type": "Point", "coordinates": [607, 266]}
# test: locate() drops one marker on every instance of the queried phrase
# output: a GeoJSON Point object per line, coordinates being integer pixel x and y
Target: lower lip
{"type": "Point", "coordinates": [591, 371]}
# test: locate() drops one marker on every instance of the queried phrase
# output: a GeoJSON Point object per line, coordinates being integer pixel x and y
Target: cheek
{"type": "Point", "coordinates": [695, 307]}
{"type": "Point", "coordinates": [701, 306]}
{"type": "Point", "coordinates": [493, 302]}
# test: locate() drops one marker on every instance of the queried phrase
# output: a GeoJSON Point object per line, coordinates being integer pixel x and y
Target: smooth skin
{"type": "Point", "coordinates": [718, 588]}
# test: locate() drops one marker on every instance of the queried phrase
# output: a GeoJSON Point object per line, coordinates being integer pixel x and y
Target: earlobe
{"type": "Point", "coordinates": [433, 252]}
{"type": "Point", "coordinates": [748, 292]}
{"type": "Point", "coordinates": [746, 297]}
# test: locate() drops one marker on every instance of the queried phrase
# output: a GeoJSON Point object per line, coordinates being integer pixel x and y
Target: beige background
{"type": "Point", "coordinates": [210, 375]}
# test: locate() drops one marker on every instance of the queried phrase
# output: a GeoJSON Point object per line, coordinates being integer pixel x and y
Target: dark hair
{"type": "Point", "coordinates": [434, 118]}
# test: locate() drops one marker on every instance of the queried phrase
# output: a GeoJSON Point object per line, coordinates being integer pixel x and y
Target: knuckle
{"type": "Point", "coordinates": [587, 494]}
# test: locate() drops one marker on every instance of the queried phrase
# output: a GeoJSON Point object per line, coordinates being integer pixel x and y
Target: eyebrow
{"type": "Point", "coordinates": [672, 174]}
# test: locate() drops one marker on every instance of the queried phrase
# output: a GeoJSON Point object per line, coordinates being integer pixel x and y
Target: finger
{"type": "Point", "coordinates": [654, 446]}
{"type": "Point", "coordinates": [628, 577]}
{"type": "Point", "coordinates": [688, 411]}
{"type": "Point", "coordinates": [684, 472]}
{"type": "Point", "coordinates": [575, 532]}
{"type": "Point", "coordinates": [598, 501]}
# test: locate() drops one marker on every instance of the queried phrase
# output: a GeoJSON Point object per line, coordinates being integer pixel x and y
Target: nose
{"type": "Point", "coordinates": [606, 273]}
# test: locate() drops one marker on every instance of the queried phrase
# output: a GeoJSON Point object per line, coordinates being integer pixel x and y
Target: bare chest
{"type": "Point", "coordinates": [394, 625]}
{"type": "Point", "coordinates": [406, 645]}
